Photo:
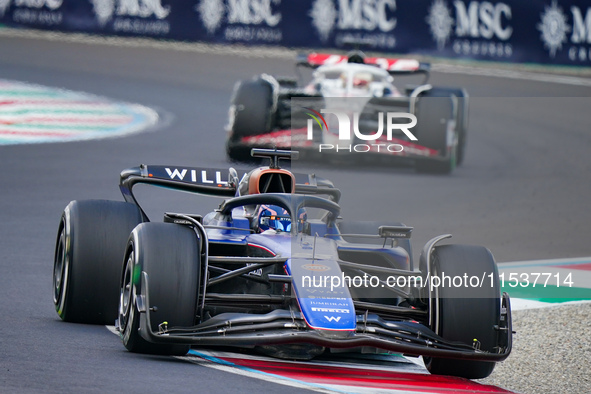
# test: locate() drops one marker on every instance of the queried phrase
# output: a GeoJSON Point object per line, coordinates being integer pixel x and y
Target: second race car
{"type": "Point", "coordinates": [274, 112]}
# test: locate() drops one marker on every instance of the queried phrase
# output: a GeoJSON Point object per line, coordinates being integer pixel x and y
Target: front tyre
{"type": "Point", "coordinates": [90, 245]}
{"type": "Point", "coordinates": [170, 255]}
{"type": "Point", "coordinates": [466, 314]}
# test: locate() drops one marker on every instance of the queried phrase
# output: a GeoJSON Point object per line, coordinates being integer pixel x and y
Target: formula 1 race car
{"type": "Point", "coordinates": [274, 112]}
{"type": "Point", "coordinates": [275, 269]}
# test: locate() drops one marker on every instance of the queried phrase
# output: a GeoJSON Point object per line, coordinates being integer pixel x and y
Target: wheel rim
{"type": "Point", "coordinates": [60, 270]}
{"type": "Point", "coordinates": [435, 309]}
{"type": "Point", "coordinates": [126, 298]}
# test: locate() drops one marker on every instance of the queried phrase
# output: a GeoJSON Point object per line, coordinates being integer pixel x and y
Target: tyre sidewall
{"type": "Point", "coordinates": [251, 109]}
{"type": "Point", "coordinates": [169, 254]}
{"type": "Point", "coordinates": [433, 115]}
{"type": "Point", "coordinates": [95, 237]}
{"type": "Point", "coordinates": [466, 314]}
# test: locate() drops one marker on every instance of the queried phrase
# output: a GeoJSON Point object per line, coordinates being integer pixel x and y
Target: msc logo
{"type": "Point", "coordinates": [477, 24]}
{"type": "Point", "coordinates": [554, 27]}
{"type": "Point", "coordinates": [245, 12]}
{"type": "Point", "coordinates": [483, 19]}
{"type": "Point", "coordinates": [52, 5]}
{"type": "Point", "coordinates": [365, 15]}
{"type": "Point", "coordinates": [105, 9]}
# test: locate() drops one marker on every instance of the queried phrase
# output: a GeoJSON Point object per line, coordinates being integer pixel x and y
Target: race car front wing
{"type": "Point", "coordinates": [289, 327]}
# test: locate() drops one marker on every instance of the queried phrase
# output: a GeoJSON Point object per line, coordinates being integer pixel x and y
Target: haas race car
{"type": "Point", "coordinates": [274, 269]}
{"type": "Point", "coordinates": [275, 112]}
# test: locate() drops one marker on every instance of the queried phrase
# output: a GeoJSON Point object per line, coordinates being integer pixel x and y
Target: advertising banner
{"type": "Point", "coordinates": [533, 31]}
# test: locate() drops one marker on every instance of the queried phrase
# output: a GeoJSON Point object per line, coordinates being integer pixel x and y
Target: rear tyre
{"type": "Point", "coordinates": [463, 101]}
{"type": "Point", "coordinates": [250, 114]}
{"type": "Point", "coordinates": [465, 314]}
{"type": "Point", "coordinates": [90, 246]}
{"type": "Point", "coordinates": [169, 254]}
{"type": "Point", "coordinates": [433, 114]}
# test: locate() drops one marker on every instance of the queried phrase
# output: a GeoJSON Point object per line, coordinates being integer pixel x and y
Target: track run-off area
{"type": "Point", "coordinates": [38, 114]}
{"type": "Point", "coordinates": [522, 192]}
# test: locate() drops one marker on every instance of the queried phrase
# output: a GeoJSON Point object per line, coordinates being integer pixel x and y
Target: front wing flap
{"type": "Point", "coordinates": [289, 327]}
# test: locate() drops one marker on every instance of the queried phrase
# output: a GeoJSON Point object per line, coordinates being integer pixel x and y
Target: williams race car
{"type": "Point", "coordinates": [276, 112]}
{"type": "Point", "coordinates": [275, 269]}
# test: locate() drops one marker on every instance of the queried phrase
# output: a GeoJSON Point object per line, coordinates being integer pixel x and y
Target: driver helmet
{"type": "Point", "coordinates": [361, 80]}
{"type": "Point", "coordinates": [272, 217]}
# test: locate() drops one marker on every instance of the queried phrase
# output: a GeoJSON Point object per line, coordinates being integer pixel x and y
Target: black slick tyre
{"type": "Point", "coordinates": [170, 255]}
{"type": "Point", "coordinates": [465, 314]}
{"type": "Point", "coordinates": [89, 252]}
{"type": "Point", "coordinates": [462, 103]}
{"type": "Point", "coordinates": [251, 113]}
{"type": "Point", "coordinates": [433, 114]}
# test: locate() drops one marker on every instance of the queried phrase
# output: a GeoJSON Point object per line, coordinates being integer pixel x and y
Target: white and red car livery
{"type": "Point", "coordinates": [269, 111]}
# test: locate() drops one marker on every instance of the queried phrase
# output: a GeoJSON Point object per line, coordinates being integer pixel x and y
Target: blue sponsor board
{"type": "Point", "coordinates": [533, 31]}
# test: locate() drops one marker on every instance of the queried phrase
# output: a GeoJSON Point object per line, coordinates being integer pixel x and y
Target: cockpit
{"type": "Point", "coordinates": [357, 80]}
{"type": "Point", "coordinates": [266, 200]}
{"type": "Point", "coordinates": [266, 218]}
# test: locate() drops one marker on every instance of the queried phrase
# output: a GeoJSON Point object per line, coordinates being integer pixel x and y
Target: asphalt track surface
{"type": "Point", "coordinates": [523, 192]}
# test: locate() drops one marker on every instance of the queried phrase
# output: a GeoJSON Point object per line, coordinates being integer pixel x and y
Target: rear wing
{"type": "Point", "coordinates": [394, 66]}
{"type": "Point", "coordinates": [210, 181]}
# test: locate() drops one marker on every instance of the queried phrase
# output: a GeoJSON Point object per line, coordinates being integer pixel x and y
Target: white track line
{"type": "Point", "coordinates": [511, 74]}
{"type": "Point", "coordinates": [215, 363]}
